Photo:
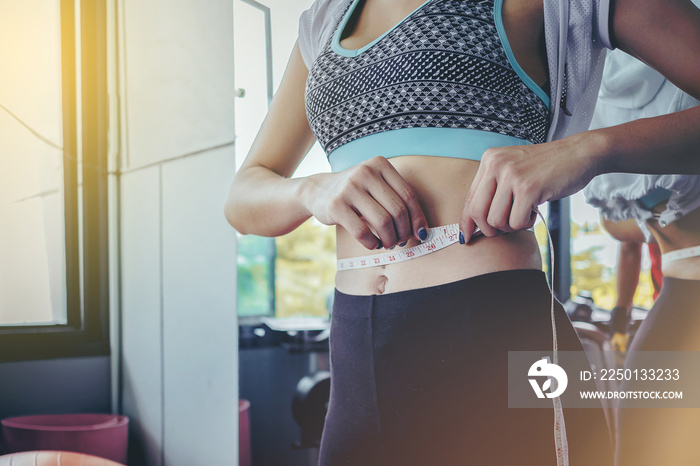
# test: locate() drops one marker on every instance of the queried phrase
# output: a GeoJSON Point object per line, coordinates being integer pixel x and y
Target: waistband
{"type": "Point", "coordinates": [479, 285]}
{"type": "Point", "coordinates": [469, 144]}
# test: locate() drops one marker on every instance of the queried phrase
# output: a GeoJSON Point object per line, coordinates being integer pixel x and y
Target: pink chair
{"type": "Point", "coordinates": [103, 435]}
{"type": "Point", "coordinates": [53, 458]}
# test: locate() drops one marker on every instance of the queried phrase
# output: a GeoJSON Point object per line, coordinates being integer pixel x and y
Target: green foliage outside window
{"type": "Point", "coordinates": [588, 273]}
{"type": "Point", "coordinates": [305, 270]}
{"type": "Point", "coordinates": [254, 290]}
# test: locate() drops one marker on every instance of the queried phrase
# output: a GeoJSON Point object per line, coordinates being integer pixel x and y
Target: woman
{"type": "Point", "coordinates": [405, 97]}
{"type": "Point", "coordinates": [666, 208]}
{"type": "Point", "coordinates": [629, 266]}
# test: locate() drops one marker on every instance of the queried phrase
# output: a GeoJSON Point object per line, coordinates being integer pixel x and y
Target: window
{"type": "Point", "coordinates": [33, 283]}
{"type": "Point", "coordinates": [53, 140]}
{"type": "Point", "coordinates": [292, 275]}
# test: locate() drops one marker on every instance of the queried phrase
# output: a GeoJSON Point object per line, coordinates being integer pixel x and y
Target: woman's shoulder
{"type": "Point", "coordinates": [316, 26]}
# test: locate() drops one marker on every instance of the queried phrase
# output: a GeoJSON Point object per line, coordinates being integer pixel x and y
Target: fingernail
{"type": "Point", "coordinates": [461, 237]}
{"type": "Point", "coordinates": [422, 234]}
{"type": "Point", "coordinates": [403, 244]}
{"type": "Point", "coordinates": [380, 246]}
{"type": "Point", "coordinates": [392, 247]}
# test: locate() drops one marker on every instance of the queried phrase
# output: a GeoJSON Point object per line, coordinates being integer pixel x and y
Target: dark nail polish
{"type": "Point", "coordinates": [380, 246]}
{"type": "Point", "coordinates": [403, 244]}
{"type": "Point", "coordinates": [392, 247]}
{"type": "Point", "coordinates": [461, 237]}
{"type": "Point", "coordinates": [422, 234]}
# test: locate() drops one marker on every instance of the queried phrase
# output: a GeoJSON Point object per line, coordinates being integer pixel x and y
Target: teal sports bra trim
{"type": "Point", "coordinates": [469, 144]}
{"type": "Point", "coordinates": [340, 50]}
{"type": "Point", "coordinates": [498, 15]}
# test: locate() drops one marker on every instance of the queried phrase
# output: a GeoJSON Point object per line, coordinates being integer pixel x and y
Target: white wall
{"type": "Point", "coordinates": [178, 65]}
{"type": "Point", "coordinates": [178, 260]}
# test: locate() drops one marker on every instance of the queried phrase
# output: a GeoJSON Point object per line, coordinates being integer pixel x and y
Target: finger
{"type": "Point", "coordinates": [522, 214]}
{"type": "Point", "coordinates": [466, 224]}
{"type": "Point", "coordinates": [357, 228]}
{"type": "Point", "coordinates": [419, 225]}
{"type": "Point", "coordinates": [533, 219]}
{"type": "Point", "coordinates": [469, 229]}
{"type": "Point", "coordinates": [395, 206]}
{"type": "Point", "coordinates": [378, 219]}
{"type": "Point", "coordinates": [480, 205]}
{"type": "Point", "coordinates": [480, 173]}
{"type": "Point", "coordinates": [500, 210]}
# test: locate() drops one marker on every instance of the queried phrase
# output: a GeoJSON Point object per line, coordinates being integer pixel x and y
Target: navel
{"type": "Point", "coordinates": [381, 283]}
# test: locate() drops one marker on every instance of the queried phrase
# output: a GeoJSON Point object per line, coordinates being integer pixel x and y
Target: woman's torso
{"type": "Point", "coordinates": [442, 183]}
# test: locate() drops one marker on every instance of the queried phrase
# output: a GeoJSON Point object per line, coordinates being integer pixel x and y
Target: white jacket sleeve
{"type": "Point", "coordinates": [316, 26]}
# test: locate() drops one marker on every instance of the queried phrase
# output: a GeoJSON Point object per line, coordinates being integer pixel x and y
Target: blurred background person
{"type": "Point", "coordinates": [629, 266]}
{"type": "Point", "coordinates": [665, 207]}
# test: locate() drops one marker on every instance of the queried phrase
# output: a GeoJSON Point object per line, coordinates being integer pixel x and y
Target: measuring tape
{"type": "Point", "coordinates": [561, 443]}
{"type": "Point", "coordinates": [679, 254]}
{"type": "Point", "coordinates": [443, 236]}
{"type": "Point", "coordinates": [438, 238]}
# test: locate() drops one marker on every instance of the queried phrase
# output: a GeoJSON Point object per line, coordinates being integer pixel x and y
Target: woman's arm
{"type": "Point", "coordinates": [629, 266]}
{"type": "Point", "coordinates": [629, 262]}
{"type": "Point", "coordinates": [262, 198]}
{"type": "Point", "coordinates": [513, 181]}
{"type": "Point", "coordinates": [371, 200]}
{"type": "Point", "coordinates": [664, 34]}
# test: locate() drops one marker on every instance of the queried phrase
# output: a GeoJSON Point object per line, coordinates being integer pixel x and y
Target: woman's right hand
{"type": "Point", "coordinates": [371, 201]}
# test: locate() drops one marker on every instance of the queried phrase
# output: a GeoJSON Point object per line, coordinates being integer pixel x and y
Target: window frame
{"type": "Point", "coordinates": [559, 222]}
{"type": "Point", "coordinates": [267, 18]}
{"type": "Point", "coordinates": [86, 332]}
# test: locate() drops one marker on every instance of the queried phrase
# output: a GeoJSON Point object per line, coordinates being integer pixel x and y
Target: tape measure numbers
{"type": "Point", "coordinates": [438, 238]}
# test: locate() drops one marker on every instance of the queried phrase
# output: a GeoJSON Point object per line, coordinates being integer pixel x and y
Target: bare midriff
{"type": "Point", "coordinates": [683, 233]}
{"type": "Point", "coordinates": [441, 184]}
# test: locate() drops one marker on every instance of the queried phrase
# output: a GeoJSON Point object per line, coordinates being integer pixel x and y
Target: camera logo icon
{"type": "Point", "coordinates": [556, 382]}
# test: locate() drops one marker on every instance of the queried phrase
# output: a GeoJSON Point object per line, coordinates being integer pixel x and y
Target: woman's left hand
{"type": "Point", "coordinates": [512, 181]}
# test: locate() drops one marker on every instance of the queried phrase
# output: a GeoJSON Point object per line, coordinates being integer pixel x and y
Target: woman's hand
{"type": "Point", "coordinates": [512, 181]}
{"type": "Point", "coordinates": [371, 201]}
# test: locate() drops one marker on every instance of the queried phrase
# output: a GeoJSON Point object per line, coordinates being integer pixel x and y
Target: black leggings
{"type": "Point", "coordinates": [419, 377]}
{"type": "Point", "coordinates": [663, 436]}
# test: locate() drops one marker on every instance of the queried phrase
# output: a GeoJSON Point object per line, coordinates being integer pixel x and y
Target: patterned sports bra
{"type": "Point", "coordinates": [442, 82]}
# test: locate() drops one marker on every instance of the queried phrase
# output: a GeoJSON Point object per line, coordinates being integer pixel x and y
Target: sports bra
{"type": "Point", "coordinates": [442, 82]}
